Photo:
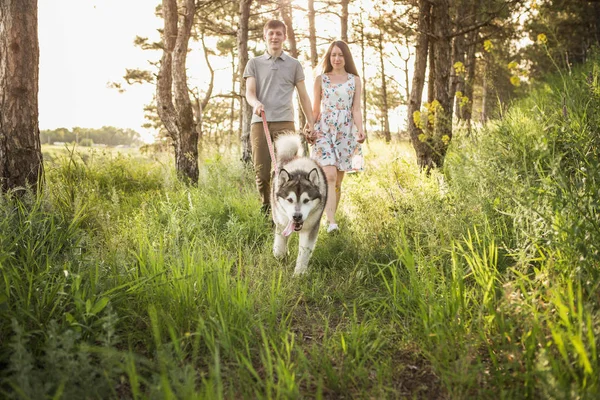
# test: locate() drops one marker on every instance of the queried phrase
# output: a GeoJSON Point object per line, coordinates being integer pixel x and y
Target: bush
{"type": "Point", "coordinates": [86, 142]}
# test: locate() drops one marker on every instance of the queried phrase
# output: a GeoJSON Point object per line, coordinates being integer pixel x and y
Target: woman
{"type": "Point", "coordinates": [338, 129]}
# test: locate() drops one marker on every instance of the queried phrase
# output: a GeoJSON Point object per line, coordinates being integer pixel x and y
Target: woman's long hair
{"type": "Point", "coordinates": [349, 65]}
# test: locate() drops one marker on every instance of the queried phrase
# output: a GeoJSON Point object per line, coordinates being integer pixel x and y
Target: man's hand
{"type": "Point", "coordinates": [258, 107]}
{"type": "Point", "coordinates": [360, 137]}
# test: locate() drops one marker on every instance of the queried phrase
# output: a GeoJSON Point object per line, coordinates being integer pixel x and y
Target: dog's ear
{"type": "Point", "coordinates": [284, 176]}
{"type": "Point", "coordinates": [313, 176]}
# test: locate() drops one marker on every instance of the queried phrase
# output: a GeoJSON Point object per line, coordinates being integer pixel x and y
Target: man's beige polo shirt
{"type": "Point", "coordinates": [276, 79]}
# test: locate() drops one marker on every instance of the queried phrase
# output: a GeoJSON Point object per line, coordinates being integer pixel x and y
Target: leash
{"type": "Point", "coordinates": [269, 141]}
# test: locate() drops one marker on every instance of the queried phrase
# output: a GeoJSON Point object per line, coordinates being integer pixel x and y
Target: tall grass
{"type": "Point", "coordinates": [478, 281]}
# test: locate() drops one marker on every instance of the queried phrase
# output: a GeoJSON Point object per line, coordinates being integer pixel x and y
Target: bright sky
{"type": "Point", "coordinates": [84, 45]}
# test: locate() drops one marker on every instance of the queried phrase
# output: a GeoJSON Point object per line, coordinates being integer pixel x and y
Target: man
{"type": "Point", "coordinates": [270, 82]}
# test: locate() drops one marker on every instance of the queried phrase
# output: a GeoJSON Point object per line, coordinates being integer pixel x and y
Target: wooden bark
{"type": "Point", "coordinates": [363, 71]}
{"type": "Point", "coordinates": [312, 35]}
{"type": "Point", "coordinates": [385, 111]}
{"type": "Point", "coordinates": [198, 110]}
{"type": "Point", "coordinates": [243, 60]}
{"type": "Point", "coordinates": [314, 56]}
{"type": "Point", "coordinates": [471, 62]}
{"type": "Point", "coordinates": [458, 56]}
{"type": "Point", "coordinates": [484, 91]}
{"type": "Point", "coordinates": [431, 74]}
{"type": "Point", "coordinates": [344, 20]}
{"type": "Point", "coordinates": [418, 83]}
{"type": "Point", "coordinates": [20, 150]}
{"type": "Point", "coordinates": [285, 10]}
{"type": "Point", "coordinates": [211, 83]}
{"type": "Point", "coordinates": [200, 105]}
{"type": "Point", "coordinates": [596, 7]}
{"type": "Point", "coordinates": [233, 97]}
{"type": "Point", "coordinates": [442, 52]}
{"type": "Point", "coordinates": [405, 69]}
{"type": "Point", "coordinates": [174, 105]}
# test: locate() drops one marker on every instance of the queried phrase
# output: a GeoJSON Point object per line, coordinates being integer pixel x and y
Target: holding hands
{"type": "Point", "coordinates": [309, 133]}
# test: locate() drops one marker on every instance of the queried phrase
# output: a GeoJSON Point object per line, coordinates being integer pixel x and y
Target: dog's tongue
{"type": "Point", "coordinates": [288, 229]}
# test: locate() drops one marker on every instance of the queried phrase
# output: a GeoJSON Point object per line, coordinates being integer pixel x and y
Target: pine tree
{"type": "Point", "coordinates": [20, 150]}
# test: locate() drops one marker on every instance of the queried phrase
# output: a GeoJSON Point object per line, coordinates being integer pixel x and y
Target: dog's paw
{"type": "Point", "coordinates": [300, 270]}
{"type": "Point", "coordinates": [280, 248]}
{"type": "Point", "coordinates": [279, 252]}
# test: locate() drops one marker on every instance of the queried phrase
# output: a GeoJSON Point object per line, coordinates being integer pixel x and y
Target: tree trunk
{"type": "Point", "coordinates": [418, 82]}
{"type": "Point", "coordinates": [385, 111]}
{"type": "Point", "coordinates": [201, 106]}
{"type": "Point", "coordinates": [344, 20]}
{"type": "Point", "coordinates": [484, 91]}
{"type": "Point", "coordinates": [314, 55]}
{"type": "Point", "coordinates": [20, 149]}
{"type": "Point", "coordinates": [312, 35]}
{"type": "Point", "coordinates": [285, 9]}
{"type": "Point", "coordinates": [243, 60]}
{"type": "Point", "coordinates": [596, 40]}
{"type": "Point", "coordinates": [458, 56]}
{"type": "Point", "coordinates": [198, 120]}
{"type": "Point", "coordinates": [466, 110]}
{"type": "Point", "coordinates": [233, 98]}
{"type": "Point", "coordinates": [406, 75]}
{"type": "Point", "coordinates": [174, 105]}
{"type": "Point", "coordinates": [211, 70]}
{"type": "Point", "coordinates": [442, 51]}
{"type": "Point", "coordinates": [467, 84]}
{"type": "Point", "coordinates": [431, 76]}
{"type": "Point", "coordinates": [363, 71]}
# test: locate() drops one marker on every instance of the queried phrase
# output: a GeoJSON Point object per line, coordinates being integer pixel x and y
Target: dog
{"type": "Point", "coordinates": [298, 198]}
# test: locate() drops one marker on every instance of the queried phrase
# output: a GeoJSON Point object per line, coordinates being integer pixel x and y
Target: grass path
{"type": "Point", "coordinates": [194, 268]}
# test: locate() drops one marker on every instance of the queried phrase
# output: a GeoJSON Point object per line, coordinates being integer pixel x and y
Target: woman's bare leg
{"type": "Point", "coordinates": [331, 173]}
{"type": "Point", "coordinates": [338, 188]}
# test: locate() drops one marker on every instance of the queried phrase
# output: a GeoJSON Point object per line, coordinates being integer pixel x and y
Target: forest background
{"type": "Point", "coordinates": [510, 27]}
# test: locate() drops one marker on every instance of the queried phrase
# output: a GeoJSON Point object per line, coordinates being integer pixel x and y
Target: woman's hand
{"type": "Point", "coordinates": [360, 137]}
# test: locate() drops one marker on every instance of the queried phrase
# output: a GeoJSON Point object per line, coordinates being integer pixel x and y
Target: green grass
{"type": "Point", "coordinates": [478, 281]}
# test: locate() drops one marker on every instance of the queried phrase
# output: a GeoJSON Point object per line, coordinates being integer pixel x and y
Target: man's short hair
{"type": "Point", "coordinates": [275, 24]}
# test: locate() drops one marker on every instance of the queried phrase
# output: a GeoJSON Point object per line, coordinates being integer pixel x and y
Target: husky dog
{"type": "Point", "coordinates": [298, 197]}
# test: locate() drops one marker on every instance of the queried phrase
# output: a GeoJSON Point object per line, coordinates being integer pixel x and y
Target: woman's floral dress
{"type": "Point", "coordinates": [336, 133]}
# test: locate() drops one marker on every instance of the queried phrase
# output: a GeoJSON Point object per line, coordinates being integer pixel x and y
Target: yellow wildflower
{"type": "Point", "coordinates": [417, 119]}
{"type": "Point", "coordinates": [542, 39]}
{"type": "Point", "coordinates": [459, 67]}
{"type": "Point", "coordinates": [515, 80]}
{"type": "Point", "coordinates": [463, 101]}
{"type": "Point", "coordinates": [446, 139]}
{"type": "Point", "coordinates": [488, 45]}
{"type": "Point", "coordinates": [431, 118]}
